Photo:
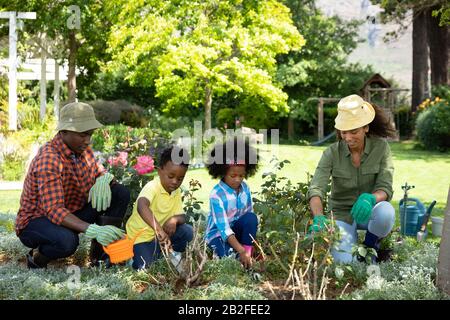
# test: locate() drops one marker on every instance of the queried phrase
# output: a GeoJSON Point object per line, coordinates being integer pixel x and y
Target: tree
{"type": "Point", "coordinates": [193, 51]}
{"type": "Point", "coordinates": [320, 68]}
{"type": "Point", "coordinates": [426, 32]}
{"type": "Point", "coordinates": [84, 48]}
{"type": "Point", "coordinates": [443, 279]}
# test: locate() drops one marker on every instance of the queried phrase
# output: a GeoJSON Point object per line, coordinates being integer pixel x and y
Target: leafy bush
{"type": "Point", "coordinates": [115, 138]}
{"type": "Point", "coordinates": [283, 211]}
{"type": "Point", "coordinates": [191, 204]}
{"type": "Point", "coordinates": [433, 126]}
{"type": "Point", "coordinates": [118, 111]}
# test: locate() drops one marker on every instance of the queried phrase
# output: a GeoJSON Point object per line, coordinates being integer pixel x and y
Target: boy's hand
{"type": "Point", "coordinates": [170, 226]}
{"type": "Point", "coordinates": [245, 259]}
{"type": "Point", "coordinates": [163, 239]}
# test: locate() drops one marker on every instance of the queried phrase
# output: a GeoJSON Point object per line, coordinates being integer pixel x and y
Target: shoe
{"type": "Point", "coordinates": [36, 261]}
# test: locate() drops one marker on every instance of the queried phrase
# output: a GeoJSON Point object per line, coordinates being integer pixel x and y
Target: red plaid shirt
{"type": "Point", "coordinates": [57, 183]}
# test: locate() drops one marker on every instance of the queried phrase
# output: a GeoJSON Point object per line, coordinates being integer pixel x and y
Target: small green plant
{"type": "Point", "coordinates": [192, 206]}
{"type": "Point", "coordinates": [365, 253]}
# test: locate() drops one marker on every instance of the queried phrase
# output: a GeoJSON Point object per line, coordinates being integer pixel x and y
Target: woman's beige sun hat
{"type": "Point", "coordinates": [353, 113]}
{"type": "Point", "coordinates": [78, 117]}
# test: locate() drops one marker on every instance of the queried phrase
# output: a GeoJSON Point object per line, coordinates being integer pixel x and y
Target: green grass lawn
{"type": "Point", "coordinates": [428, 171]}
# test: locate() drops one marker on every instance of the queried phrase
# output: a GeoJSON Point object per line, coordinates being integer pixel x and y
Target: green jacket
{"type": "Point", "coordinates": [347, 183]}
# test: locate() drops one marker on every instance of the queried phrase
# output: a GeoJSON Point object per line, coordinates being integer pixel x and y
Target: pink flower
{"type": "Point", "coordinates": [144, 164]}
{"type": "Point", "coordinates": [121, 159]}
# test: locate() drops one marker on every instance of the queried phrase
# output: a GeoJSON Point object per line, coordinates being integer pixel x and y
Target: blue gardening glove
{"type": "Point", "coordinates": [100, 193]}
{"type": "Point", "coordinates": [104, 234]}
{"type": "Point", "coordinates": [319, 223]}
{"type": "Point", "coordinates": [362, 208]}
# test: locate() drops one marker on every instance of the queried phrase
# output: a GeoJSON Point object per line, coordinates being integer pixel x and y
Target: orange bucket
{"type": "Point", "coordinates": [122, 250]}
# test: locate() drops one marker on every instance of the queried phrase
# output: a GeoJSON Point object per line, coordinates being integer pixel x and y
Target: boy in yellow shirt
{"type": "Point", "coordinates": [159, 209]}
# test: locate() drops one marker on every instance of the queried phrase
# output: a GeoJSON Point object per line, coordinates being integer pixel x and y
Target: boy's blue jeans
{"type": "Point", "coordinates": [55, 241]}
{"type": "Point", "coordinates": [379, 225]}
{"type": "Point", "coordinates": [145, 253]}
{"type": "Point", "coordinates": [244, 229]}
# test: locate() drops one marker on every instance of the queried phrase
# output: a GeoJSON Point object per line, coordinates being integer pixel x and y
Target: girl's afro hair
{"type": "Point", "coordinates": [236, 151]}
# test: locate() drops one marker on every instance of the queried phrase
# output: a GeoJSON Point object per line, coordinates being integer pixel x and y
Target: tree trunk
{"type": "Point", "coordinates": [208, 103]}
{"type": "Point", "coordinates": [443, 278]}
{"type": "Point", "coordinates": [71, 78]}
{"type": "Point", "coordinates": [290, 127]}
{"type": "Point", "coordinates": [439, 49]}
{"type": "Point", "coordinates": [420, 80]}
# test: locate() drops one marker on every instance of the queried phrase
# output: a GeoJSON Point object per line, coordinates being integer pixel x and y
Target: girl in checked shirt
{"type": "Point", "coordinates": [232, 224]}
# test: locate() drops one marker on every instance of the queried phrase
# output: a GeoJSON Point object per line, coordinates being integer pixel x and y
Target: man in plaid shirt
{"type": "Point", "coordinates": [65, 192]}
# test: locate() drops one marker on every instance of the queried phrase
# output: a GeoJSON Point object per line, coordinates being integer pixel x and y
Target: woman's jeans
{"type": "Point", "coordinates": [55, 241]}
{"type": "Point", "coordinates": [244, 230]}
{"type": "Point", "coordinates": [145, 253]}
{"type": "Point", "coordinates": [380, 224]}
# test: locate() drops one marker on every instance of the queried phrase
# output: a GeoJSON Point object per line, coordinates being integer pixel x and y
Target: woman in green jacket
{"type": "Point", "coordinates": [361, 170]}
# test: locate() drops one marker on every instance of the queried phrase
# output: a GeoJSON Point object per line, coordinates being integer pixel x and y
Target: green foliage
{"type": "Point", "coordinates": [12, 166]}
{"type": "Point", "coordinates": [190, 49]}
{"type": "Point", "coordinates": [444, 12]}
{"type": "Point", "coordinates": [433, 126]}
{"type": "Point", "coordinates": [226, 116]}
{"type": "Point", "coordinates": [320, 69]}
{"type": "Point", "coordinates": [52, 19]}
{"type": "Point", "coordinates": [192, 207]}
{"type": "Point", "coordinates": [284, 215]}
{"type": "Point", "coordinates": [364, 252]}
{"type": "Point", "coordinates": [115, 138]}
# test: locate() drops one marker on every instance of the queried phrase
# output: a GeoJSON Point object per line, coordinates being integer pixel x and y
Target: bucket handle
{"type": "Point", "coordinates": [417, 201]}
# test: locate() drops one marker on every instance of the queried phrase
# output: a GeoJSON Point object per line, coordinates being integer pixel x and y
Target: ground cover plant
{"type": "Point", "coordinates": [288, 263]}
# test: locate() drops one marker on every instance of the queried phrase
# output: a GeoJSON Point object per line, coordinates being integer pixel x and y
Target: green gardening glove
{"type": "Point", "coordinates": [104, 234]}
{"type": "Point", "coordinates": [100, 193]}
{"type": "Point", "coordinates": [319, 222]}
{"type": "Point", "coordinates": [362, 208]}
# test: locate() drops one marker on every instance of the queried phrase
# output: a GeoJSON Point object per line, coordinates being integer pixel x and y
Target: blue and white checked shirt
{"type": "Point", "coordinates": [226, 207]}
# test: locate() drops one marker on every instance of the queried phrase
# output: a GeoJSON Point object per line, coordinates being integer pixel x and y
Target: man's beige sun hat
{"type": "Point", "coordinates": [78, 117]}
{"type": "Point", "coordinates": [353, 113]}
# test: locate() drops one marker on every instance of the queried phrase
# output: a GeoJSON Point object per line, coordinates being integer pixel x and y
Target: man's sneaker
{"type": "Point", "coordinates": [31, 263]}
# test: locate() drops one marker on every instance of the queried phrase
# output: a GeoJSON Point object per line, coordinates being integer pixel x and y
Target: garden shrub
{"type": "Point", "coordinates": [118, 111]}
{"type": "Point", "coordinates": [283, 211]}
{"type": "Point", "coordinates": [225, 116]}
{"type": "Point", "coordinates": [433, 126]}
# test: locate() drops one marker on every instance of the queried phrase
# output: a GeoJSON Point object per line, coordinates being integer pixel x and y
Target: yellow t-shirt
{"type": "Point", "coordinates": [163, 206]}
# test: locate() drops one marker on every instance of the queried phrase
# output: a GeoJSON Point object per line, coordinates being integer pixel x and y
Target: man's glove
{"type": "Point", "coordinates": [362, 208]}
{"type": "Point", "coordinates": [319, 222]}
{"type": "Point", "coordinates": [104, 234]}
{"type": "Point", "coordinates": [100, 193]}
